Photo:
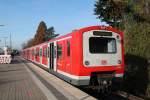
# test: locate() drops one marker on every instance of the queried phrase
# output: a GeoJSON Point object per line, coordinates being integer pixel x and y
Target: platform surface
{"type": "Point", "coordinates": [17, 84]}
{"type": "Point", "coordinates": [23, 80]}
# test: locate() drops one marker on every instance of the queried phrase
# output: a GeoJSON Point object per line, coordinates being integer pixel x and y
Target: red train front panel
{"type": "Point", "coordinates": [102, 50]}
{"type": "Point", "coordinates": [96, 50]}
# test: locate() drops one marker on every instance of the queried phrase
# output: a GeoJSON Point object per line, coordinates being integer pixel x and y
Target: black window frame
{"type": "Point", "coordinates": [48, 51]}
{"type": "Point", "coordinates": [37, 52]}
{"type": "Point", "coordinates": [68, 48]}
{"type": "Point", "coordinates": [59, 51]}
{"type": "Point", "coordinates": [40, 51]}
{"type": "Point", "coordinates": [45, 52]}
{"type": "Point", "coordinates": [104, 52]}
{"type": "Point", "coordinates": [32, 52]}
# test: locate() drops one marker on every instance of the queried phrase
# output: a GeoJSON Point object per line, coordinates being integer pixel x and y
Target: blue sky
{"type": "Point", "coordinates": [21, 17]}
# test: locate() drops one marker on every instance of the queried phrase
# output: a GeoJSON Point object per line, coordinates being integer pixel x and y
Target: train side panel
{"type": "Point", "coordinates": [37, 55]}
{"type": "Point", "coordinates": [32, 54]}
{"type": "Point", "coordinates": [64, 55]}
{"type": "Point", "coordinates": [44, 55]}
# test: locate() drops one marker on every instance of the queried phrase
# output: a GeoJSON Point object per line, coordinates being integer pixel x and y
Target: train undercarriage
{"type": "Point", "coordinates": [102, 81]}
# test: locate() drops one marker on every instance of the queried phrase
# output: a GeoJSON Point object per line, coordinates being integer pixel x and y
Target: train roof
{"type": "Point", "coordinates": [109, 28]}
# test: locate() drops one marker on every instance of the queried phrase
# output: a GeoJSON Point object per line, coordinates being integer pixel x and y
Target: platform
{"type": "Point", "coordinates": [22, 80]}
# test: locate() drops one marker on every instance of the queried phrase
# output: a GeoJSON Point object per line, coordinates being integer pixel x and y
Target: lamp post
{"type": "Point", "coordinates": [10, 40]}
{"type": "Point", "coordinates": [1, 25]}
{"type": "Point", "coordinates": [5, 40]}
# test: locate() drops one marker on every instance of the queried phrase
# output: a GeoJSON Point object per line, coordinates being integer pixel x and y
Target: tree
{"type": "Point", "coordinates": [109, 11]}
{"type": "Point", "coordinates": [141, 10]}
{"type": "Point", "coordinates": [40, 33]}
{"type": "Point", "coordinates": [30, 42]}
{"type": "Point", "coordinates": [50, 33]}
{"type": "Point", "coordinates": [133, 17]}
{"type": "Point", "coordinates": [24, 45]}
{"type": "Point", "coordinates": [43, 34]}
{"type": "Point", "coordinates": [114, 11]}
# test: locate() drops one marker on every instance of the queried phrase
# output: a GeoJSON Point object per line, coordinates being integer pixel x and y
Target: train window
{"type": "Point", "coordinates": [37, 53]}
{"type": "Point", "coordinates": [40, 52]}
{"type": "Point", "coordinates": [68, 48]}
{"type": "Point", "coordinates": [32, 52]}
{"type": "Point", "coordinates": [48, 52]}
{"type": "Point", "coordinates": [45, 52]}
{"type": "Point", "coordinates": [59, 51]}
{"type": "Point", "coordinates": [102, 45]}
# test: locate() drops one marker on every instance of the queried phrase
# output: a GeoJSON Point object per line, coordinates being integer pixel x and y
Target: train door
{"type": "Point", "coordinates": [68, 56]}
{"type": "Point", "coordinates": [52, 56]}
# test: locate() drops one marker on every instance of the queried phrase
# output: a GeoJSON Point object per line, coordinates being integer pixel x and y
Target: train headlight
{"type": "Point", "coordinates": [104, 82]}
{"type": "Point", "coordinates": [117, 36]}
{"type": "Point", "coordinates": [119, 61]}
{"type": "Point", "coordinates": [87, 63]}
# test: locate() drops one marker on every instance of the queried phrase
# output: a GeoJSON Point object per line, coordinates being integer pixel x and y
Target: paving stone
{"type": "Point", "coordinates": [17, 84]}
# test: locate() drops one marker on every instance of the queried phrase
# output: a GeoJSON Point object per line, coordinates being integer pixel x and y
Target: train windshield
{"type": "Point", "coordinates": [102, 45]}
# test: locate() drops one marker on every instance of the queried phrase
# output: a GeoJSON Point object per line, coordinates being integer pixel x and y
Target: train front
{"type": "Point", "coordinates": [103, 55]}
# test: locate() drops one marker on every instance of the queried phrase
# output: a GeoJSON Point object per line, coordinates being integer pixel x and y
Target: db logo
{"type": "Point", "coordinates": [103, 62]}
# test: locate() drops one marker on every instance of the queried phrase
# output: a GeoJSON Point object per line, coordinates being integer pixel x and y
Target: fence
{"type": "Point", "coordinates": [5, 59]}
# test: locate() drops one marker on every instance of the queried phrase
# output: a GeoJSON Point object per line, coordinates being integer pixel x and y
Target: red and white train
{"type": "Point", "coordinates": [86, 54]}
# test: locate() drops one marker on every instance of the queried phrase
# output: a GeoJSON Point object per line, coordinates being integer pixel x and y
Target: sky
{"type": "Point", "coordinates": [22, 17]}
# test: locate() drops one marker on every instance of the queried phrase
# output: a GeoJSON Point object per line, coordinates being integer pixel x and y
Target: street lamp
{"type": "Point", "coordinates": [7, 37]}
{"type": "Point", "coordinates": [10, 41]}
{"type": "Point", "coordinates": [5, 40]}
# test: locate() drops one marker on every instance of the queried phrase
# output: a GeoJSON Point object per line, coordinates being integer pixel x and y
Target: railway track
{"type": "Point", "coordinates": [118, 95]}
{"type": "Point", "coordinates": [128, 95]}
